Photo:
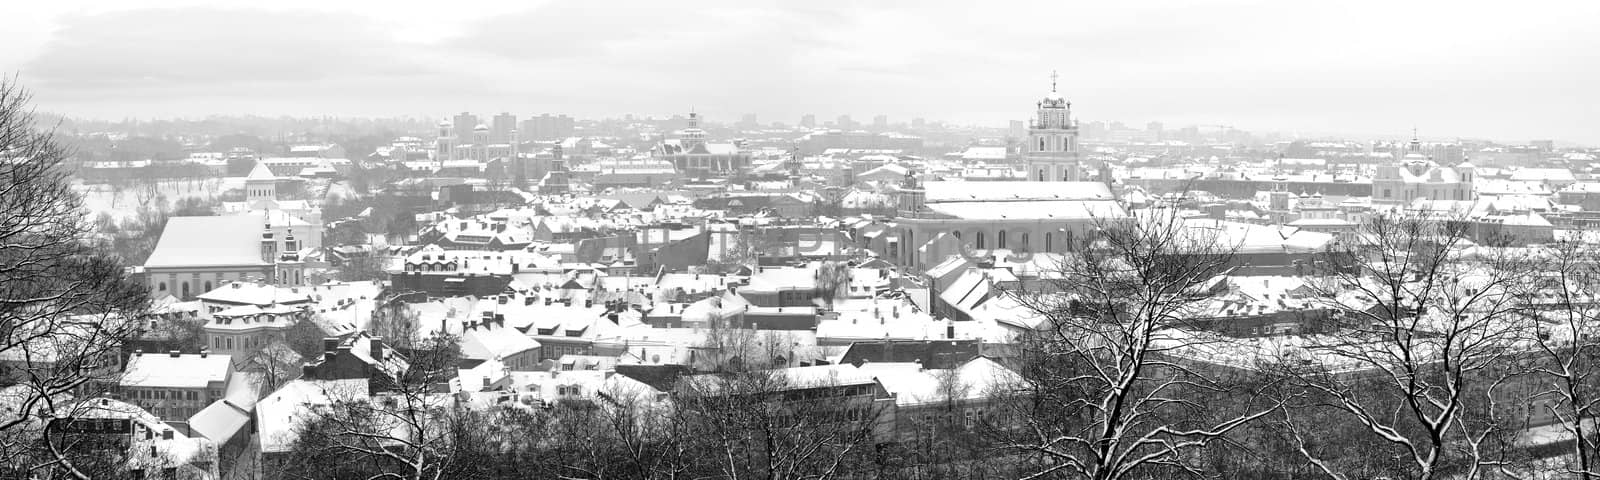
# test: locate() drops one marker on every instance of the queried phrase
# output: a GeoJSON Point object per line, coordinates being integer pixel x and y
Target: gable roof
{"type": "Point", "coordinates": [209, 241]}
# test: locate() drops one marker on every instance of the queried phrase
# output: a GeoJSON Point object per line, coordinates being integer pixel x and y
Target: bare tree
{"type": "Point", "coordinates": [1430, 323]}
{"type": "Point", "coordinates": [764, 424]}
{"type": "Point", "coordinates": [65, 308]}
{"type": "Point", "coordinates": [1103, 393]}
{"type": "Point", "coordinates": [1562, 372]}
{"type": "Point", "coordinates": [405, 428]}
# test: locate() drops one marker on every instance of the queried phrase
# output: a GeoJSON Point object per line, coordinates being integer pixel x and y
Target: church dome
{"type": "Point", "coordinates": [446, 124]}
{"type": "Point", "coordinates": [481, 128]}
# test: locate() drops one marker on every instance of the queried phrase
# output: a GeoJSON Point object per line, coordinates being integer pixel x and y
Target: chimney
{"type": "Point", "coordinates": [138, 352]}
{"type": "Point", "coordinates": [500, 319]}
{"type": "Point", "coordinates": [166, 434]}
{"type": "Point", "coordinates": [172, 353]}
{"type": "Point", "coordinates": [203, 352]}
{"type": "Point", "coordinates": [377, 348]}
{"type": "Point", "coordinates": [949, 329]}
{"type": "Point", "coordinates": [588, 303]}
{"type": "Point", "coordinates": [528, 300]}
{"type": "Point", "coordinates": [330, 344]}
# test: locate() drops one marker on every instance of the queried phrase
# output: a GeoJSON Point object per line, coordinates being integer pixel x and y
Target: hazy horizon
{"type": "Point", "coordinates": [1447, 68]}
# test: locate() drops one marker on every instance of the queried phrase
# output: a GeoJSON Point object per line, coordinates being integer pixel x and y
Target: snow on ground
{"type": "Point", "coordinates": [100, 197]}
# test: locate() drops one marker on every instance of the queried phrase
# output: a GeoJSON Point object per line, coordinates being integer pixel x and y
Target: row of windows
{"type": "Point", "coordinates": [143, 394]}
{"type": "Point", "coordinates": [1060, 144]}
{"type": "Point", "coordinates": [980, 240]}
{"type": "Point", "coordinates": [246, 343]}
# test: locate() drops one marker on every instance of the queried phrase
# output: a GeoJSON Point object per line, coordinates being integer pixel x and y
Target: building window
{"type": "Point", "coordinates": [980, 240]}
{"type": "Point", "coordinates": [185, 289]}
{"type": "Point", "coordinates": [1047, 242]}
{"type": "Point", "coordinates": [1041, 144]}
{"type": "Point", "coordinates": [208, 286]}
{"type": "Point", "coordinates": [163, 286]}
{"type": "Point", "coordinates": [1025, 244]}
{"type": "Point", "coordinates": [1000, 239]}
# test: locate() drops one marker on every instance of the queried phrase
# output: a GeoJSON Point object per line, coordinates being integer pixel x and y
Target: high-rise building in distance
{"type": "Point", "coordinates": [546, 127]}
{"type": "Point", "coordinates": [501, 129]}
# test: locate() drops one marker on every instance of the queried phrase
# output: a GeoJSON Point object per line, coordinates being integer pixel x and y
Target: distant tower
{"type": "Point", "coordinates": [556, 182]}
{"type": "Point", "coordinates": [693, 136]}
{"type": "Point", "coordinates": [480, 143]}
{"type": "Point", "coordinates": [1052, 148]}
{"type": "Point", "coordinates": [260, 185]}
{"type": "Point", "coordinates": [446, 144]}
{"type": "Point", "coordinates": [911, 196]}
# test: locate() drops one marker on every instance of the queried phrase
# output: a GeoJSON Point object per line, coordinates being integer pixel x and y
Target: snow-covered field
{"type": "Point", "coordinates": [100, 197]}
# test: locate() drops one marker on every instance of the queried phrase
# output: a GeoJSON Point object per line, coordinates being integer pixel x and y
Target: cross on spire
{"type": "Point", "coordinates": [1053, 81]}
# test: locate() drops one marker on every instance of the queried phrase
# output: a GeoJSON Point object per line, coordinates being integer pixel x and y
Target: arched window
{"type": "Point", "coordinates": [1000, 239]}
{"type": "Point", "coordinates": [1041, 144]}
{"type": "Point", "coordinates": [1047, 240]}
{"type": "Point", "coordinates": [957, 233]}
{"type": "Point", "coordinates": [1041, 175]}
{"type": "Point", "coordinates": [185, 289]}
{"type": "Point", "coordinates": [163, 287]}
{"type": "Point", "coordinates": [208, 286]}
{"type": "Point", "coordinates": [1025, 244]}
{"type": "Point", "coordinates": [980, 241]}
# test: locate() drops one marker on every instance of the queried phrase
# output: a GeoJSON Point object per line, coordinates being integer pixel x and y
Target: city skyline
{"type": "Point", "coordinates": [1464, 71]}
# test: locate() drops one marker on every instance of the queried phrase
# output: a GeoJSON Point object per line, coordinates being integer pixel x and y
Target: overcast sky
{"type": "Point", "coordinates": [1507, 70]}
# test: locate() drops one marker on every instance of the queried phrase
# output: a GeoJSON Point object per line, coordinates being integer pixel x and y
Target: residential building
{"type": "Point", "coordinates": [175, 386]}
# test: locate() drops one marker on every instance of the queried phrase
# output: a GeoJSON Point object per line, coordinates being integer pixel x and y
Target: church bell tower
{"type": "Point", "coordinates": [1051, 151]}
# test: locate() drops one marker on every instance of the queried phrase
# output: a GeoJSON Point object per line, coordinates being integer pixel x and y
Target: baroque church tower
{"type": "Point", "coordinates": [1051, 152]}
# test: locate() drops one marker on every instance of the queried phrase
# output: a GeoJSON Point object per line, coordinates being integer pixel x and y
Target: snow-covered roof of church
{"type": "Point", "coordinates": [937, 192]}
{"type": "Point", "coordinates": [1036, 209]}
{"type": "Point", "coordinates": [209, 241]}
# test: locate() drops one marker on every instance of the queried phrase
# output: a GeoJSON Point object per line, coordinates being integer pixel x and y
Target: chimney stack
{"type": "Point", "coordinates": [330, 344]}
{"type": "Point", "coordinates": [203, 353]}
{"type": "Point", "coordinates": [377, 348]}
{"type": "Point", "coordinates": [172, 353]}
